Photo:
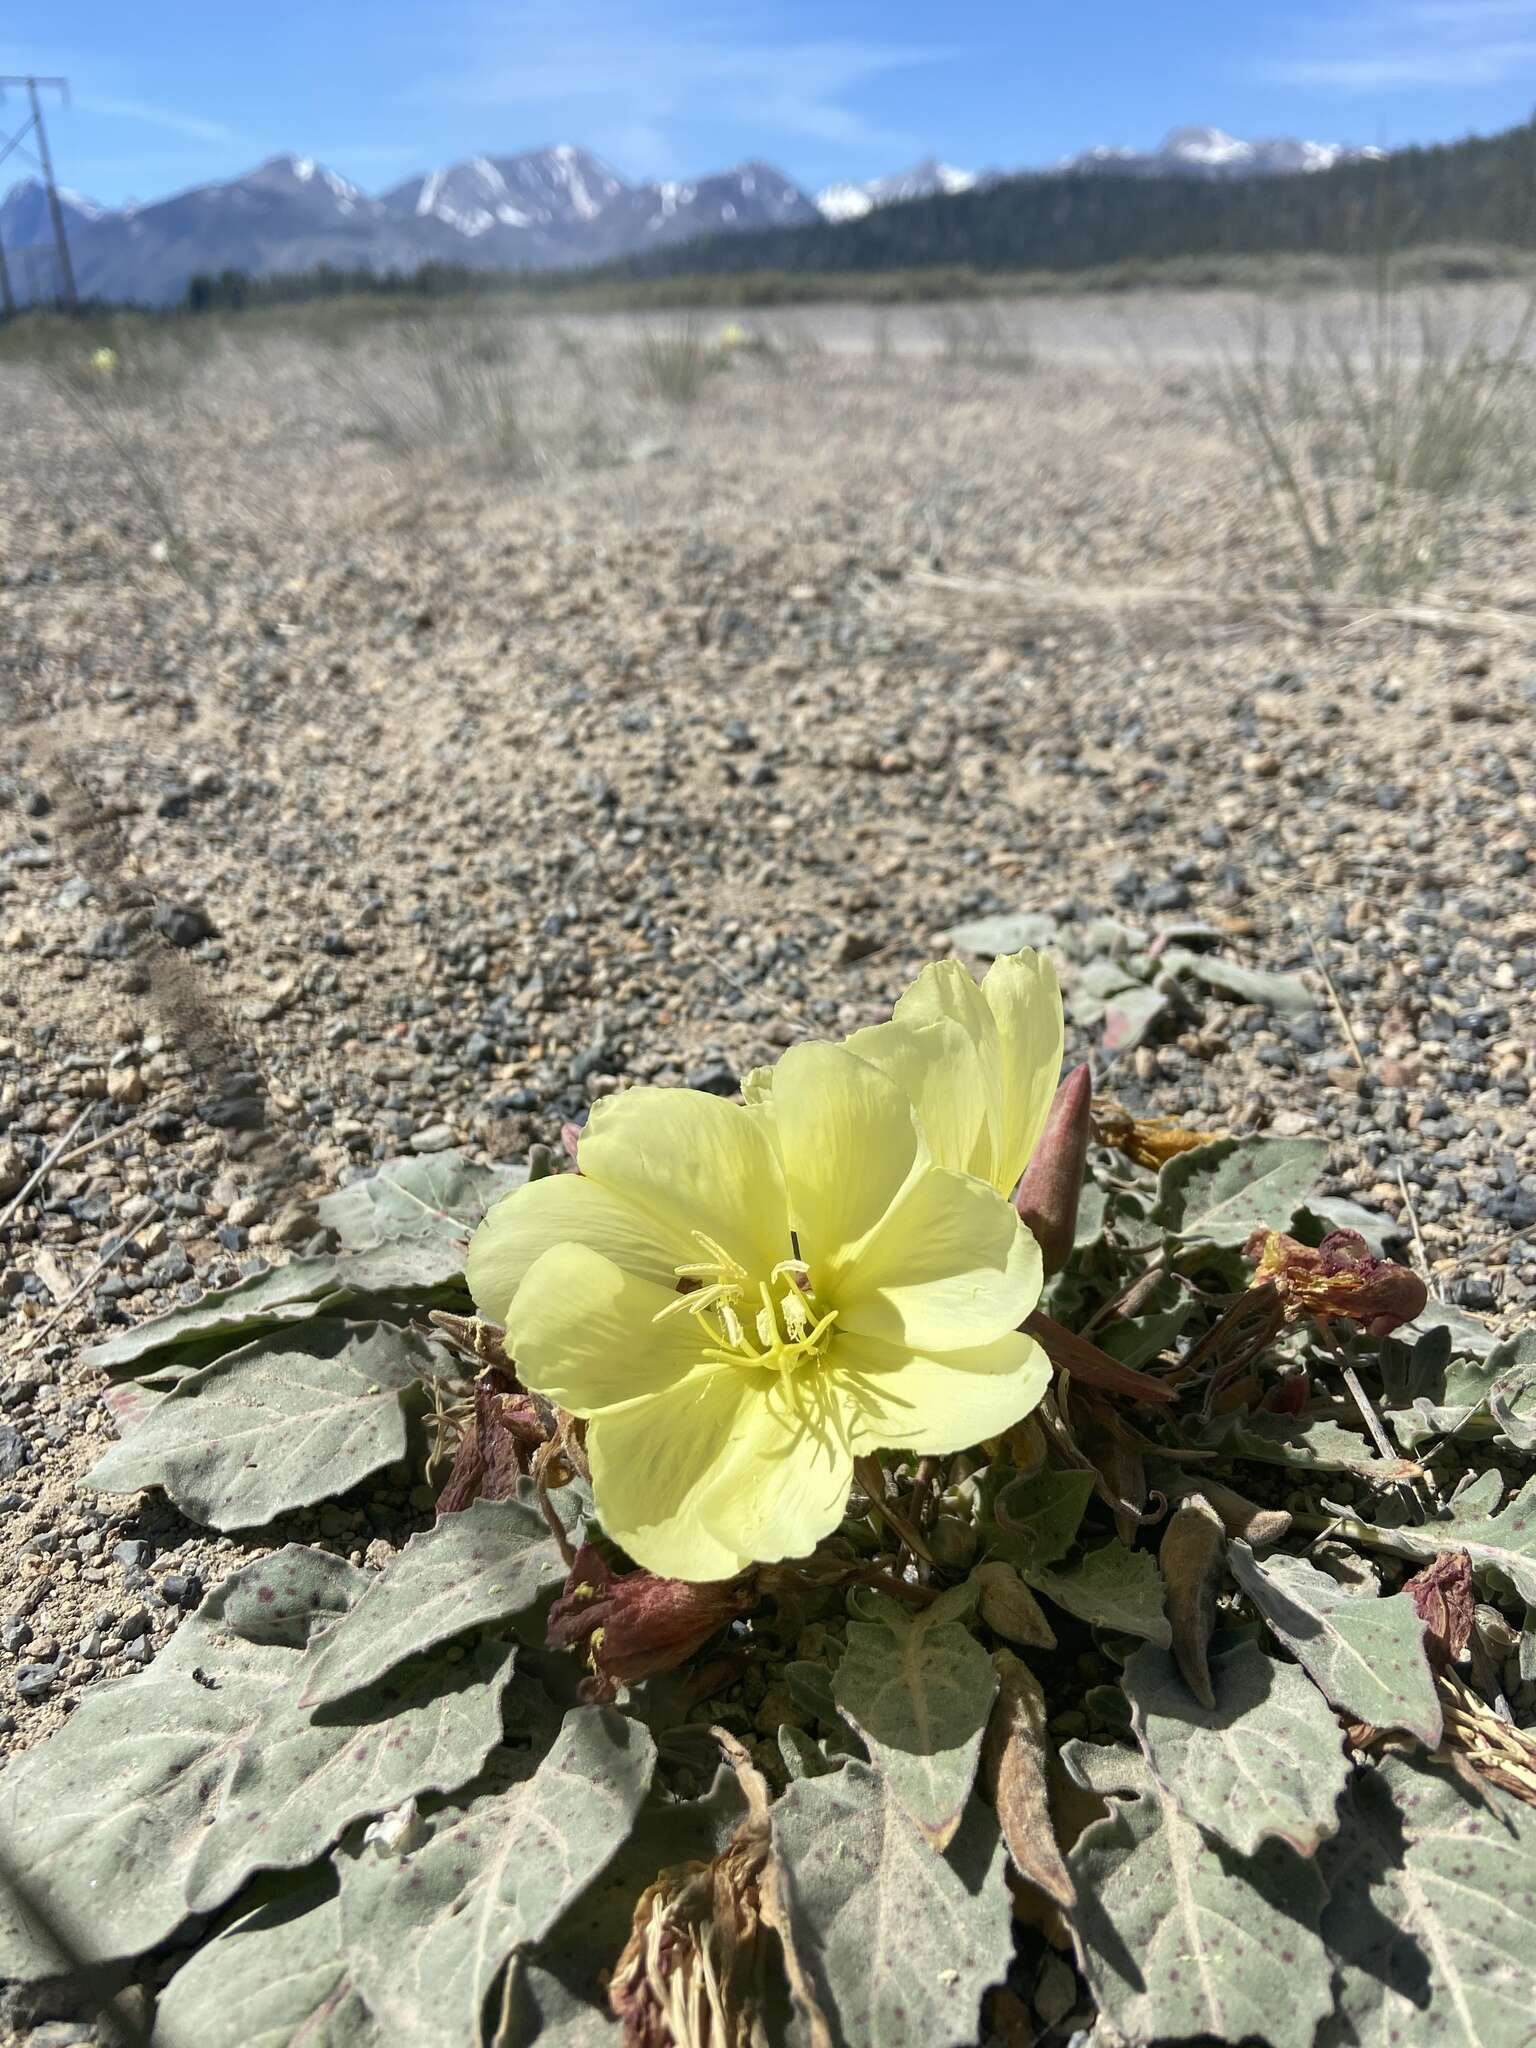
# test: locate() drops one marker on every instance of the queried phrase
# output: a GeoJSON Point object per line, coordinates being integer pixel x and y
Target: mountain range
{"type": "Point", "coordinates": [539, 209]}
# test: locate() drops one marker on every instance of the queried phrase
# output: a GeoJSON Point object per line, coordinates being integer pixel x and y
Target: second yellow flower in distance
{"type": "Point", "coordinates": [743, 1300]}
{"type": "Point", "coordinates": [978, 1064]}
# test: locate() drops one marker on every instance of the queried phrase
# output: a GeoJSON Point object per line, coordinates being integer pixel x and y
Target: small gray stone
{"type": "Point", "coordinates": [36, 1681]}
{"type": "Point", "coordinates": [132, 1553]}
{"type": "Point", "coordinates": [14, 1451]}
{"type": "Point", "coordinates": [432, 1138]}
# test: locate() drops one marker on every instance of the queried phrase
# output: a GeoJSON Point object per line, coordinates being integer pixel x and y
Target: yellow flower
{"type": "Point", "coordinates": [733, 336]}
{"type": "Point", "coordinates": [744, 1300]}
{"type": "Point", "coordinates": [104, 361]}
{"type": "Point", "coordinates": [979, 1065]}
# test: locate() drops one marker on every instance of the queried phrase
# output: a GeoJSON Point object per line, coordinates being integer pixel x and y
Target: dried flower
{"type": "Point", "coordinates": [1445, 1600]}
{"type": "Point", "coordinates": [498, 1447]}
{"type": "Point", "coordinates": [633, 1624]}
{"type": "Point", "coordinates": [1146, 1141]}
{"type": "Point", "coordinates": [744, 1300]}
{"type": "Point", "coordinates": [1340, 1278]}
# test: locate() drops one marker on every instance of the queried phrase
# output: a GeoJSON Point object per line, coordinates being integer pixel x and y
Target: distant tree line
{"type": "Point", "coordinates": [1478, 192]}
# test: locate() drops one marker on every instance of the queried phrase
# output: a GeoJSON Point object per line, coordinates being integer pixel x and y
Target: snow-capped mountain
{"type": "Point", "coordinates": [539, 209]}
{"type": "Point", "coordinates": [847, 201]}
{"type": "Point", "coordinates": [542, 188]}
{"type": "Point", "coordinates": [536, 210]}
{"type": "Point", "coordinates": [1212, 153]}
{"type": "Point", "coordinates": [24, 214]}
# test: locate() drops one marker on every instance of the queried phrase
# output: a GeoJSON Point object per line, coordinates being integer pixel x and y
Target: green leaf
{"type": "Point", "coordinates": [294, 1418]}
{"type": "Point", "coordinates": [1474, 1399]}
{"type": "Point", "coordinates": [1432, 1912]}
{"type": "Point", "coordinates": [282, 1294]}
{"type": "Point", "coordinates": [1365, 1653]}
{"type": "Point", "coordinates": [1267, 1763]}
{"type": "Point", "coordinates": [918, 1688]}
{"type": "Point", "coordinates": [1468, 1334]}
{"type": "Point", "coordinates": [1307, 1443]}
{"type": "Point", "coordinates": [899, 1943]}
{"type": "Point", "coordinates": [164, 1792]}
{"type": "Point", "coordinates": [475, 1569]}
{"type": "Point", "coordinates": [1112, 1588]}
{"type": "Point", "coordinates": [275, 1974]}
{"type": "Point", "coordinates": [1500, 1541]}
{"type": "Point", "coordinates": [439, 1197]}
{"type": "Point", "coordinates": [1249, 984]}
{"type": "Point", "coordinates": [1035, 1519]}
{"type": "Point", "coordinates": [1221, 1193]}
{"type": "Point", "coordinates": [1005, 933]}
{"type": "Point", "coordinates": [1181, 1938]}
{"type": "Point", "coordinates": [1137, 1339]}
{"type": "Point", "coordinates": [1321, 1214]}
{"type": "Point", "coordinates": [428, 1934]}
{"type": "Point", "coordinates": [1512, 1397]}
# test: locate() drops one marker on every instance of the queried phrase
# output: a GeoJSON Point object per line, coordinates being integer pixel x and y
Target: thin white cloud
{"type": "Point", "coordinates": [167, 119]}
{"type": "Point", "coordinates": [1404, 44]}
{"type": "Point", "coordinates": [628, 86]}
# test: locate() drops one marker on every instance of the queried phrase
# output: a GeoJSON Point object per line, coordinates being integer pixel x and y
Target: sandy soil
{"type": "Point", "coordinates": [520, 744]}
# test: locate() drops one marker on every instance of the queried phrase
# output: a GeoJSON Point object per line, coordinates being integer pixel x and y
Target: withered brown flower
{"type": "Point", "coordinates": [633, 1624]}
{"type": "Point", "coordinates": [498, 1448]}
{"type": "Point", "coordinates": [1340, 1277]}
{"type": "Point", "coordinates": [1445, 1600]}
{"type": "Point", "coordinates": [1145, 1141]}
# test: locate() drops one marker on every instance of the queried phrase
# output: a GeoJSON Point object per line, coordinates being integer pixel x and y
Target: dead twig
{"type": "Point", "coordinates": [40, 1174]}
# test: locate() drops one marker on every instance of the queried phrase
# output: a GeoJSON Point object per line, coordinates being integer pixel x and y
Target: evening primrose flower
{"type": "Point", "coordinates": [742, 1300]}
{"type": "Point", "coordinates": [979, 1064]}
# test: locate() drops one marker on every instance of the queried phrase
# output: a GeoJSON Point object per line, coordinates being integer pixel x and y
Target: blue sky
{"type": "Point", "coordinates": [191, 90]}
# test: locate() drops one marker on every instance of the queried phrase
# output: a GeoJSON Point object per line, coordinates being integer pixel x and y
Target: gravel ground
{"type": "Point", "coordinates": [461, 784]}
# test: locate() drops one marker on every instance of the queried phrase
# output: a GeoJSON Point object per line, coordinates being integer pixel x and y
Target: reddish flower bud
{"type": "Point", "coordinates": [1047, 1196]}
{"type": "Point", "coordinates": [633, 1624]}
{"type": "Point", "coordinates": [1444, 1599]}
{"type": "Point", "coordinates": [1340, 1277]}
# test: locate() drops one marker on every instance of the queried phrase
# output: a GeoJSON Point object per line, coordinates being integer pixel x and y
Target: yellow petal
{"type": "Point", "coordinates": [561, 1208]}
{"type": "Point", "coordinates": [726, 1469]}
{"type": "Point", "coordinates": [938, 1067]}
{"type": "Point", "coordinates": [1022, 993]}
{"type": "Point", "coordinates": [943, 1402]}
{"type": "Point", "coordinates": [950, 1267]}
{"type": "Point", "coordinates": [692, 1162]}
{"type": "Point", "coordinates": [850, 1146]}
{"type": "Point", "coordinates": [584, 1332]}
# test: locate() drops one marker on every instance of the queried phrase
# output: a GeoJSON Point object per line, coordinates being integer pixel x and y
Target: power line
{"type": "Point", "coordinates": [34, 126]}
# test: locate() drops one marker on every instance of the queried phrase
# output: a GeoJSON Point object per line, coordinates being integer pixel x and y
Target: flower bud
{"type": "Point", "coordinates": [1048, 1194]}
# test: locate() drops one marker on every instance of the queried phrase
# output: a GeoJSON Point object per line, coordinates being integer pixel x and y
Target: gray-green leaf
{"type": "Point", "coordinates": [428, 1934]}
{"type": "Point", "coordinates": [440, 1197]}
{"type": "Point", "coordinates": [1111, 1587]}
{"type": "Point", "coordinates": [275, 1976]}
{"type": "Point", "coordinates": [1500, 1541]}
{"type": "Point", "coordinates": [1365, 1653]}
{"type": "Point", "coordinates": [163, 1793]}
{"type": "Point", "coordinates": [1249, 984]}
{"type": "Point", "coordinates": [918, 1688]}
{"type": "Point", "coordinates": [296, 1417]}
{"type": "Point", "coordinates": [1036, 1517]}
{"type": "Point", "coordinates": [1266, 1763]}
{"type": "Point", "coordinates": [280, 1295]}
{"type": "Point", "coordinates": [1432, 1912]}
{"type": "Point", "coordinates": [486, 1565]}
{"type": "Point", "coordinates": [1308, 1443]}
{"type": "Point", "coordinates": [899, 1943]}
{"type": "Point", "coordinates": [1005, 932]}
{"type": "Point", "coordinates": [1181, 1938]}
{"type": "Point", "coordinates": [1221, 1193]}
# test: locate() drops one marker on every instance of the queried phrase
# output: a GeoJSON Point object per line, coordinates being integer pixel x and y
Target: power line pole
{"type": "Point", "coordinates": [45, 163]}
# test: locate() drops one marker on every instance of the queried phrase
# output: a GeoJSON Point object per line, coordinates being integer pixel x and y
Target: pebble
{"type": "Point", "coordinates": [432, 1138]}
